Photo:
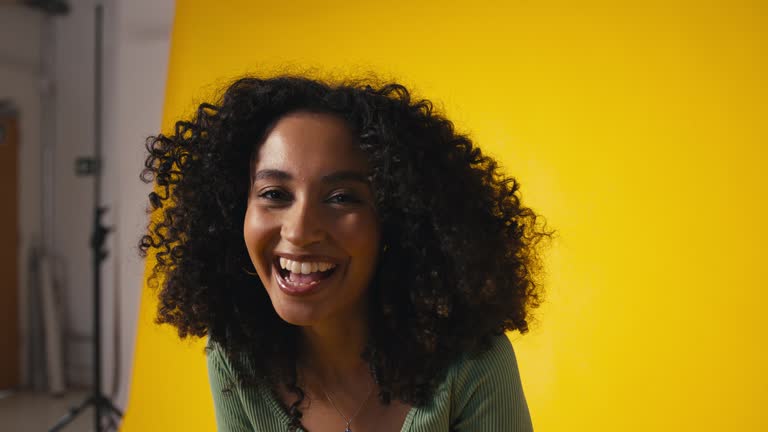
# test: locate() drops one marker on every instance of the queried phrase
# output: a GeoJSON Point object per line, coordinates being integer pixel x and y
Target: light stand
{"type": "Point", "coordinates": [103, 406]}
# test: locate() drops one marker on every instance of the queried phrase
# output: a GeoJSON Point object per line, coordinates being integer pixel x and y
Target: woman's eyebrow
{"type": "Point", "coordinates": [336, 177]}
{"type": "Point", "coordinates": [341, 176]}
{"type": "Point", "coordinates": [272, 174]}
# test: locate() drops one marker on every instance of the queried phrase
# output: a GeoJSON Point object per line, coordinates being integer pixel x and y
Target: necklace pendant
{"type": "Point", "coordinates": [347, 429]}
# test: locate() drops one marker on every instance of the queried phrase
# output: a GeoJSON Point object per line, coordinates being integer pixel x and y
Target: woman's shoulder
{"type": "Point", "coordinates": [498, 360]}
{"type": "Point", "coordinates": [486, 389]}
{"type": "Point", "coordinates": [240, 407]}
{"type": "Point", "coordinates": [221, 374]}
{"type": "Point", "coordinates": [220, 361]}
{"type": "Point", "coordinates": [215, 355]}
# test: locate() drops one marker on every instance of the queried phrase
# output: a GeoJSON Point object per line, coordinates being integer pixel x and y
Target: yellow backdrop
{"type": "Point", "coordinates": [639, 131]}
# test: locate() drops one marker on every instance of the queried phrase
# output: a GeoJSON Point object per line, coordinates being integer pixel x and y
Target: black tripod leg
{"type": "Point", "coordinates": [114, 409]}
{"type": "Point", "coordinates": [111, 408]}
{"type": "Point", "coordinates": [72, 414]}
{"type": "Point", "coordinates": [112, 424]}
{"type": "Point", "coordinates": [104, 405]}
{"type": "Point", "coordinates": [110, 412]}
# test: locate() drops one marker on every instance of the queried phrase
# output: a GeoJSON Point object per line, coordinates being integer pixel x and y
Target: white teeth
{"type": "Point", "coordinates": [295, 267]}
{"type": "Point", "coordinates": [305, 267]}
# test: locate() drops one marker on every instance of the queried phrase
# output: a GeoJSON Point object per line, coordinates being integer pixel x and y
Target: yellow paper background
{"type": "Point", "coordinates": [638, 130]}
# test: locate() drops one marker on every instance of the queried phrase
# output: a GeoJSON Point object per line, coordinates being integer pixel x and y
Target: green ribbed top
{"type": "Point", "coordinates": [481, 393]}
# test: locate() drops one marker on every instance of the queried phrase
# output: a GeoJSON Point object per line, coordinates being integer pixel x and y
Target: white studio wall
{"type": "Point", "coordinates": [135, 50]}
{"type": "Point", "coordinates": [136, 60]}
{"type": "Point", "coordinates": [73, 195]}
{"type": "Point", "coordinates": [136, 38]}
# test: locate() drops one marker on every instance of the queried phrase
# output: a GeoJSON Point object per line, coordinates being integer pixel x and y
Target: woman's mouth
{"type": "Point", "coordinates": [302, 277]}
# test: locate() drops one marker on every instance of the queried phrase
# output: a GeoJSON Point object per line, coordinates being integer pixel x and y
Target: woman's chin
{"type": "Point", "coordinates": [298, 315]}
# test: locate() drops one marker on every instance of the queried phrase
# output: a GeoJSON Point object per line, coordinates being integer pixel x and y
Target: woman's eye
{"type": "Point", "coordinates": [343, 198]}
{"type": "Point", "coordinates": [274, 195]}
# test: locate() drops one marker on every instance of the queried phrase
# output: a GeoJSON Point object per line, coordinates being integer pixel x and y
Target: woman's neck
{"type": "Point", "coordinates": [331, 351]}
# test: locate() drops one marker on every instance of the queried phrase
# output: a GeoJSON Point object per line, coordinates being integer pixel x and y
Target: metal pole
{"type": "Point", "coordinates": [98, 254]}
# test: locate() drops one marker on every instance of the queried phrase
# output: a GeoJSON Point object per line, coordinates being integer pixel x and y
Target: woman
{"type": "Point", "coordinates": [352, 259]}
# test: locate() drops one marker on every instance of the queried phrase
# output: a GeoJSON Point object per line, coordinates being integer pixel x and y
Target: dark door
{"type": "Point", "coordinates": [9, 249]}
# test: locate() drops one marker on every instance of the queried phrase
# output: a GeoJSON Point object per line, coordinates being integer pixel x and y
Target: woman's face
{"type": "Point", "coordinates": [311, 228]}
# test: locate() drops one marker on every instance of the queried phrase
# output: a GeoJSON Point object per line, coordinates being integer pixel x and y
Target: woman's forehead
{"type": "Point", "coordinates": [310, 144]}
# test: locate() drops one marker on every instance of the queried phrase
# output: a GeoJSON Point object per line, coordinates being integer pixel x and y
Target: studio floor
{"type": "Point", "coordinates": [38, 412]}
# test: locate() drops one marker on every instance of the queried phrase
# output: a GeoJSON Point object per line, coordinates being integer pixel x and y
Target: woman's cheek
{"type": "Point", "coordinates": [360, 233]}
{"type": "Point", "coordinates": [255, 232]}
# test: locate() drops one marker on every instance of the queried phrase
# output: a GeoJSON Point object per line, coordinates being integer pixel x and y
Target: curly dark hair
{"type": "Point", "coordinates": [462, 255]}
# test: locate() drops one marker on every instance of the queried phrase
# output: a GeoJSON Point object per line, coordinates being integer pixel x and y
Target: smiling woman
{"type": "Point", "coordinates": [311, 206]}
{"type": "Point", "coordinates": [353, 260]}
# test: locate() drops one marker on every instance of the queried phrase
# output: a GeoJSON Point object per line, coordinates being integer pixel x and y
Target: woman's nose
{"type": "Point", "coordinates": [301, 225]}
